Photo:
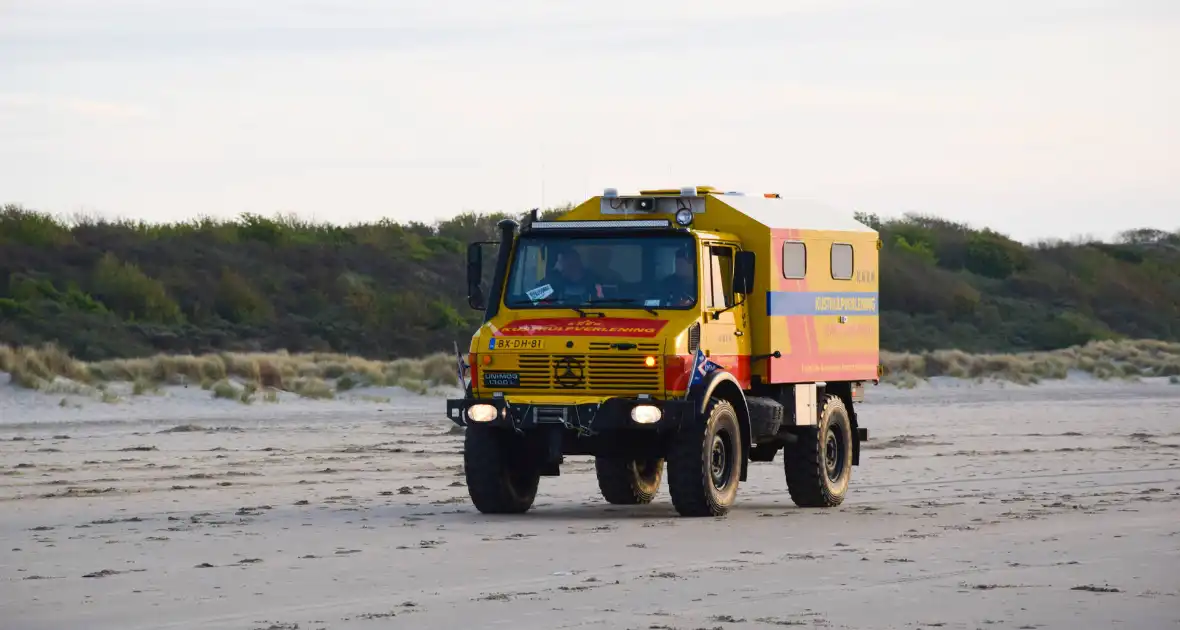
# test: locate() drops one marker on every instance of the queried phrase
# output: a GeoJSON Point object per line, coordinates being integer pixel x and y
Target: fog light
{"type": "Point", "coordinates": [683, 216]}
{"type": "Point", "coordinates": [646, 414]}
{"type": "Point", "coordinates": [481, 413]}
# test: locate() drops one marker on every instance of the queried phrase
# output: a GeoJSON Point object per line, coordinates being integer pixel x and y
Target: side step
{"type": "Point", "coordinates": [767, 419]}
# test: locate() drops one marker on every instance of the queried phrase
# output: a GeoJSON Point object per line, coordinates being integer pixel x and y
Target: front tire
{"type": "Point", "coordinates": [501, 478]}
{"type": "Point", "coordinates": [705, 462]}
{"type": "Point", "coordinates": [818, 466]}
{"type": "Point", "coordinates": [628, 482]}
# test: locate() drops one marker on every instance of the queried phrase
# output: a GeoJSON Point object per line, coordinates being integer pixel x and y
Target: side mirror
{"type": "Point", "coordinates": [743, 272]}
{"type": "Point", "coordinates": [475, 276]}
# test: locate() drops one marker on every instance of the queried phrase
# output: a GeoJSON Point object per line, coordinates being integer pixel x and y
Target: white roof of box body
{"type": "Point", "coordinates": [794, 214]}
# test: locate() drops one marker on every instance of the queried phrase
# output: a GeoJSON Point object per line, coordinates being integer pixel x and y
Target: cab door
{"type": "Point", "coordinates": [725, 339]}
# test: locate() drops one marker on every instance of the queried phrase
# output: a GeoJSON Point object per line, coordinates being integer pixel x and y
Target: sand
{"type": "Point", "coordinates": [1051, 506]}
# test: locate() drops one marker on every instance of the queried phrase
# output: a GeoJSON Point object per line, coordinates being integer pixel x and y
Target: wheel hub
{"type": "Point", "coordinates": [833, 455]}
{"type": "Point", "coordinates": [719, 462]}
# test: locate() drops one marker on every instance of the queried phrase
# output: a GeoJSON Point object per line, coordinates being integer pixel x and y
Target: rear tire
{"type": "Point", "coordinates": [628, 482]}
{"type": "Point", "coordinates": [501, 477]}
{"type": "Point", "coordinates": [705, 462]}
{"type": "Point", "coordinates": [818, 466]}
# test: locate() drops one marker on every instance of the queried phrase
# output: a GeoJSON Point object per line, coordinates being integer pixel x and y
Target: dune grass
{"type": "Point", "coordinates": [1124, 359]}
{"type": "Point", "coordinates": [233, 376]}
{"type": "Point", "coordinates": [246, 376]}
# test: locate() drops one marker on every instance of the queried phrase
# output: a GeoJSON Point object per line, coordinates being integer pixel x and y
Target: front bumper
{"type": "Point", "coordinates": [610, 414]}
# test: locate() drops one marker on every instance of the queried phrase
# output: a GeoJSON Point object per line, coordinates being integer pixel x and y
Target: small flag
{"type": "Point", "coordinates": [701, 367]}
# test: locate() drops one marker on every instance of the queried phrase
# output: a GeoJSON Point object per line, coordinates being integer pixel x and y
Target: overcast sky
{"type": "Point", "coordinates": [1037, 118]}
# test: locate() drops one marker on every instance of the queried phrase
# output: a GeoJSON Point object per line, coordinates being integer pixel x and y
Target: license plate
{"type": "Point", "coordinates": [508, 343]}
{"type": "Point", "coordinates": [501, 379]}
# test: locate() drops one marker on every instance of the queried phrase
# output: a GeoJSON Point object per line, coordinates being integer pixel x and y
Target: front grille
{"type": "Point", "coordinates": [594, 372]}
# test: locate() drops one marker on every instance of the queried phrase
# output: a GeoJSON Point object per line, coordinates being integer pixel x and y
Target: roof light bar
{"type": "Point", "coordinates": [607, 224]}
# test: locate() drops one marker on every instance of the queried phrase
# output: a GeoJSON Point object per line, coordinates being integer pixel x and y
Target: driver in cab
{"type": "Point", "coordinates": [572, 282]}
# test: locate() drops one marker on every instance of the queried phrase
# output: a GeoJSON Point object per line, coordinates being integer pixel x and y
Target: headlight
{"type": "Point", "coordinates": [481, 413]}
{"type": "Point", "coordinates": [646, 414]}
{"type": "Point", "coordinates": [683, 216]}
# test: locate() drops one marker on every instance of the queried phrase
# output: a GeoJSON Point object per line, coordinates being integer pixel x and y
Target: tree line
{"type": "Point", "coordinates": [104, 289]}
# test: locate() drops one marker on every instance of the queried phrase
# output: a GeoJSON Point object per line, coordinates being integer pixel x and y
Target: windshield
{"type": "Point", "coordinates": [631, 271]}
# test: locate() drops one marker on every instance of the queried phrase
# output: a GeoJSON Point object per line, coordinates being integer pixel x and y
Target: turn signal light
{"type": "Point", "coordinates": [649, 361]}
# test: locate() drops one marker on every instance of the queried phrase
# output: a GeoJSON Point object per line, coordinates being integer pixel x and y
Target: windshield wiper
{"type": "Point", "coordinates": [550, 301]}
{"type": "Point", "coordinates": [586, 313]}
{"type": "Point", "coordinates": [621, 301]}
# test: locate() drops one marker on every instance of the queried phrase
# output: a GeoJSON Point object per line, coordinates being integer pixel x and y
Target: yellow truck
{"type": "Point", "coordinates": [689, 328]}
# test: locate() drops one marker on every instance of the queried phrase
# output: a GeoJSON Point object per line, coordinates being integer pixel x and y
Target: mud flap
{"type": "Point", "coordinates": [862, 435]}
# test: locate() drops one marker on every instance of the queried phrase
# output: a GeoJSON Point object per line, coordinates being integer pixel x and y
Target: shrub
{"type": "Point", "coordinates": [311, 387]}
{"type": "Point", "coordinates": [238, 301]}
{"type": "Point", "coordinates": [225, 389]}
{"type": "Point", "coordinates": [131, 293]}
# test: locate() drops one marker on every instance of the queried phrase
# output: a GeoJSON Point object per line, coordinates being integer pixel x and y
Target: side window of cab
{"type": "Point", "coordinates": [717, 275]}
{"type": "Point", "coordinates": [722, 271]}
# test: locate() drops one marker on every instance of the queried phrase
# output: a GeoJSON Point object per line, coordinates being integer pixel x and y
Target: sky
{"type": "Point", "coordinates": [1047, 119]}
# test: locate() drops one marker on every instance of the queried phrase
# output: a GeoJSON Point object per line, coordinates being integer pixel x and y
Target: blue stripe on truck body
{"type": "Point", "coordinates": [780, 303]}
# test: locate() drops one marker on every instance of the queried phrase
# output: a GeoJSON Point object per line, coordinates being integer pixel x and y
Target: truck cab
{"type": "Point", "coordinates": [672, 329]}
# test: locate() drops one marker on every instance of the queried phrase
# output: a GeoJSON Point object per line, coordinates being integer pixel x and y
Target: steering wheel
{"type": "Point", "coordinates": [682, 297]}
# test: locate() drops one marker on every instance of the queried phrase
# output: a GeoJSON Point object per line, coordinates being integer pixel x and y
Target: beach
{"type": "Point", "coordinates": [975, 506]}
